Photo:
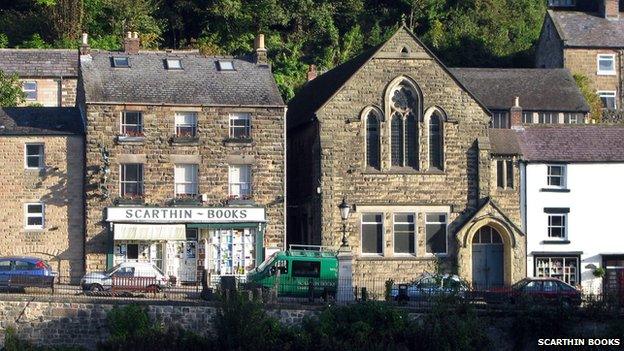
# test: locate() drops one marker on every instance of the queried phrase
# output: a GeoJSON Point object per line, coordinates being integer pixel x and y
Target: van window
{"type": "Point", "coordinates": [5, 266]}
{"type": "Point", "coordinates": [307, 269]}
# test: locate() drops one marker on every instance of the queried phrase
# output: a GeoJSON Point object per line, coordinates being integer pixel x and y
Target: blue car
{"type": "Point", "coordinates": [20, 272]}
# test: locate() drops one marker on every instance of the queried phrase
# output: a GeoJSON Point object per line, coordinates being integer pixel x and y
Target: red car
{"type": "Point", "coordinates": [538, 289]}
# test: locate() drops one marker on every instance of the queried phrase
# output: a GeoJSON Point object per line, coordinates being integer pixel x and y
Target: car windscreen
{"type": "Point", "coordinates": [113, 269]}
{"type": "Point", "coordinates": [266, 263]}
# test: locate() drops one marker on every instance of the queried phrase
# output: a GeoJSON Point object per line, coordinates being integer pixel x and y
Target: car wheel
{"type": "Point", "coordinates": [153, 289]}
{"type": "Point", "coordinates": [95, 287]}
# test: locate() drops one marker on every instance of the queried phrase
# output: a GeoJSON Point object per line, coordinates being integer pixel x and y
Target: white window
{"type": "Point", "coordinates": [186, 124]}
{"type": "Point", "coordinates": [34, 156]}
{"type": "Point", "coordinates": [405, 233]}
{"type": "Point", "coordinates": [435, 230]}
{"type": "Point", "coordinates": [500, 119]}
{"type": "Point", "coordinates": [573, 118]}
{"type": "Point", "coordinates": [527, 117]}
{"type": "Point", "coordinates": [34, 215]}
{"type": "Point", "coordinates": [186, 179]}
{"type": "Point", "coordinates": [173, 64]}
{"type": "Point", "coordinates": [606, 64]}
{"type": "Point", "coordinates": [563, 268]}
{"type": "Point", "coordinates": [240, 181]}
{"type": "Point", "coordinates": [240, 126]}
{"type": "Point", "coordinates": [608, 99]}
{"type": "Point", "coordinates": [548, 117]}
{"type": "Point", "coordinates": [121, 62]}
{"type": "Point", "coordinates": [30, 89]}
{"type": "Point", "coordinates": [132, 123]}
{"type": "Point", "coordinates": [557, 225]}
{"type": "Point", "coordinates": [225, 65]}
{"type": "Point", "coordinates": [372, 233]}
{"type": "Point", "coordinates": [556, 176]}
{"type": "Point", "coordinates": [131, 180]}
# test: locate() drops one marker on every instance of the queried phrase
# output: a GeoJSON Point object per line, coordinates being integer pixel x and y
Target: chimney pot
{"type": "Point", "coordinates": [259, 42]}
{"type": "Point", "coordinates": [85, 39]}
{"type": "Point", "coordinates": [260, 55]}
{"type": "Point", "coordinates": [132, 43]}
{"type": "Point", "coordinates": [312, 72]}
{"type": "Point", "coordinates": [129, 35]}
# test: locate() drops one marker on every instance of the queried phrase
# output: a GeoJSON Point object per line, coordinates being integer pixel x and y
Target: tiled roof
{"type": "Point", "coordinates": [572, 143]}
{"type": "Point", "coordinates": [585, 29]}
{"type": "Point", "coordinates": [539, 89]}
{"type": "Point", "coordinates": [40, 121]}
{"type": "Point", "coordinates": [199, 82]}
{"type": "Point", "coordinates": [316, 92]}
{"type": "Point", "coordinates": [504, 142]}
{"type": "Point", "coordinates": [39, 62]}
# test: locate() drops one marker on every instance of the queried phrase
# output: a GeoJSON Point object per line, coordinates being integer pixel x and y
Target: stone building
{"type": "Point", "coordinates": [185, 159]}
{"type": "Point", "coordinates": [41, 195]}
{"type": "Point", "coordinates": [396, 134]}
{"type": "Point", "coordinates": [535, 96]}
{"type": "Point", "coordinates": [588, 40]}
{"type": "Point", "coordinates": [49, 76]}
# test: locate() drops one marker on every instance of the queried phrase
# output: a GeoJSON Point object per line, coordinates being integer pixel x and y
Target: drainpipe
{"type": "Point", "coordinates": [285, 228]}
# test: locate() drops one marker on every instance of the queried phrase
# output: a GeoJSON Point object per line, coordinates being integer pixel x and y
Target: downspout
{"type": "Point", "coordinates": [285, 140]}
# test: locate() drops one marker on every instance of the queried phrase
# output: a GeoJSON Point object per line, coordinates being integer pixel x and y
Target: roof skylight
{"type": "Point", "coordinates": [173, 63]}
{"type": "Point", "coordinates": [225, 65]}
{"type": "Point", "coordinates": [121, 62]}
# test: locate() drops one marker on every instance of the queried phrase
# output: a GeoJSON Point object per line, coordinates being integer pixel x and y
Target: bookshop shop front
{"type": "Point", "coordinates": [182, 241]}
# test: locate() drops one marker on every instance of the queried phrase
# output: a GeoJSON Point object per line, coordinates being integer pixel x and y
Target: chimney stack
{"type": "Point", "coordinates": [132, 43]}
{"type": "Point", "coordinates": [609, 8]}
{"type": "Point", "coordinates": [516, 114]}
{"type": "Point", "coordinates": [312, 73]}
{"type": "Point", "coordinates": [85, 49]}
{"type": "Point", "coordinates": [260, 54]}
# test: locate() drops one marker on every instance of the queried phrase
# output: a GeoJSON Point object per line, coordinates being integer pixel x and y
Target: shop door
{"type": "Point", "coordinates": [187, 269]}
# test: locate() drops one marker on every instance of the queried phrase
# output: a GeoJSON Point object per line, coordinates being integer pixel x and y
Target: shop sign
{"type": "Point", "coordinates": [185, 214]}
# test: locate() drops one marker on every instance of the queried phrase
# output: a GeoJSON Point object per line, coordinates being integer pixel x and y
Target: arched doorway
{"type": "Point", "coordinates": [487, 258]}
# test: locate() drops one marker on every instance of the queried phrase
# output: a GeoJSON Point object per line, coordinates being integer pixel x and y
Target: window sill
{"type": "Point", "coordinates": [400, 171]}
{"type": "Point", "coordinates": [554, 190]}
{"type": "Point", "coordinates": [34, 230]}
{"type": "Point", "coordinates": [370, 257]}
{"type": "Point", "coordinates": [192, 200]}
{"type": "Point", "coordinates": [556, 242]}
{"type": "Point", "coordinates": [35, 171]}
{"type": "Point", "coordinates": [130, 139]}
{"type": "Point", "coordinates": [184, 140]}
{"type": "Point", "coordinates": [238, 141]}
{"type": "Point", "coordinates": [506, 190]}
{"type": "Point", "coordinates": [606, 73]}
{"type": "Point", "coordinates": [125, 201]}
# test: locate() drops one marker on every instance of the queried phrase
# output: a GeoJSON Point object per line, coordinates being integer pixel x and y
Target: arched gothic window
{"type": "Point", "coordinates": [372, 140]}
{"type": "Point", "coordinates": [404, 102]}
{"type": "Point", "coordinates": [436, 157]}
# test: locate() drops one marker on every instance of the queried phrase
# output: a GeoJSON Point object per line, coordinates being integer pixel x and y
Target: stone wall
{"type": "Point", "coordinates": [584, 61]}
{"type": "Point", "coordinates": [54, 92]}
{"type": "Point", "coordinates": [212, 152]}
{"type": "Point", "coordinates": [59, 187]}
{"type": "Point", "coordinates": [549, 52]}
{"type": "Point", "coordinates": [83, 322]}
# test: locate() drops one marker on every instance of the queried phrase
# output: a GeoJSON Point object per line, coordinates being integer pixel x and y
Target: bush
{"type": "Point", "coordinates": [172, 339]}
{"type": "Point", "coordinates": [537, 319]}
{"type": "Point", "coordinates": [128, 321]}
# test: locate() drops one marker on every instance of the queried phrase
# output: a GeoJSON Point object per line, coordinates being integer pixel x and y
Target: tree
{"type": "Point", "coordinates": [595, 104]}
{"type": "Point", "coordinates": [11, 93]}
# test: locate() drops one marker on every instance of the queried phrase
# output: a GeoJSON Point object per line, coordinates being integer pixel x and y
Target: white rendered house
{"type": "Point", "coordinates": [571, 199]}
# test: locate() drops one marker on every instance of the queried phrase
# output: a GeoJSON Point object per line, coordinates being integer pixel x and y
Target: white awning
{"type": "Point", "coordinates": [150, 232]}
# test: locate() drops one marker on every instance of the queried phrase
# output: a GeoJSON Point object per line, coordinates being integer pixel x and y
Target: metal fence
{"type": "Point", "coordinates": [318, 291]}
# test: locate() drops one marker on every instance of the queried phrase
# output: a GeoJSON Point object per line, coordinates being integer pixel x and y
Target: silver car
{"type": "Point", "coordinates": [431, 285]}
{"type": "Point", "coordinates": [99, 281]}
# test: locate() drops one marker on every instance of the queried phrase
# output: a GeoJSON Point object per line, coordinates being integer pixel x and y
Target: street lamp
{"type": "Point", "coordinates": [345, 208]}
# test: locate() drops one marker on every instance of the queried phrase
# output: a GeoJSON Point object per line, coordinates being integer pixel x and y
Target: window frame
{"type": "Point", "coordinates": [141, 183]}
{"type": "Point", "coordinates": [446, 238]}
{"type": "Point", "coordinates": [500, 116]}
{"type": "Point", "coordinates": [194, 182]}
{"type": "Point", "coordinates": [527, 117]}
{"type": "Point", "coordinates": [563, 226]}
{"type": "Point", "coordinates": [176, 125]}
{"type": "Point", "coordinates": [28, 215]}
{"type": "Point", "coordinates": [507, 165]}
{"type": "Point", "coordinates": [413, 233]}
{"type": "Point", "coordinates": [602, 57]}
{"type": "Point", "coordinates": [229, 65]}
{"type": "Point", "coordinates": [549, 267]}
{"type": "Point", "coordinates": [437, 115]}
{"type": "Point", "coordinates": [27, 91]}
{"type": "Point", "coordinates": [41, 156]}
{"type": "Point", "coordinates": [612, 94]}
{"type": "Point", "coordinates": [368, 162]}
{"type": "Point", "coordinates": [563, 176]}
{"type": "Point", "coordinates": [406, 145]}
{"type": "Point", "coordinates": [553, 117]}
{"type": "Point", "coordinates": [383, 233]}
{"type": "Point", "coordinates": [239, 183]}
{"type": "Point", "coordinates": [179, 67]}
{"type": "Point", "coordinates": [117, 64]}
{"type": "Point", "coordinates": [244, 116]}
{"type": "Point", "coordinates": [139, 126]}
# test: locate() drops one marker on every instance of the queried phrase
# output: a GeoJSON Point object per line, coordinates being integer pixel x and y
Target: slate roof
{"type": "Point", "coordinates": [39, 62]}
{"type": "Point", "coordinates": [40, 121]}
{"type": "Point", "coordinates": [539, 89]}
{"type": "Point", "coordinates": [586, 29]}
{"type": "Point", "coordinates": [198, 83]}
{"type": "Point", "coordinates": [504, 142]}
{"type": "Point", "coordinates": [572, 143]}
{"type": "Point", "coordinates": [316, 92]}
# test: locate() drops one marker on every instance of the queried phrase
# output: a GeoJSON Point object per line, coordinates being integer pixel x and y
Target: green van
{"type": "Point", "coordinates": [293, 271]}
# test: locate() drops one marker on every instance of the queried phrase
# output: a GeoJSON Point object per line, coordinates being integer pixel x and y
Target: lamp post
{"type": "Point", "coordinates": [345, 208]}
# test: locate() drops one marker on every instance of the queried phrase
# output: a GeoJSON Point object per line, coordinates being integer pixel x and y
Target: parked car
{"type": "Point", "coordinates": [99, 281]}
{"type": "Point", "coordinates": [22, 271]}
{"type": "Point", "coordinates": [539, 290]}
{"type": "Point", "coordinates": [430, 285]}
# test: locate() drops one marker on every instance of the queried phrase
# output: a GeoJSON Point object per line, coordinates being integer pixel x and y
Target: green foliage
{"type": "Point", "coordinates": [388, 289]}
{"type": "Point", "coordinates": [536, 319]}
{"type": "Point", "coordinates": [4, 41]}
{"type": "Point", "coordinates": [11, 93]}
{"type": "Point", "coordinates": [595, 104]}
{"type": "Point", "coordinates": [35, 42]}
{"type": "Point", "coordinates": [128, 321]}
{"type": "Point", "coordinates": [172, 339]}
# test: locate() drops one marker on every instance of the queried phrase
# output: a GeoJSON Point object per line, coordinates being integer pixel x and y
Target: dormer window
{"type": "Point", "coordinates": [173, 64]}
{"type": "Point", "coordinates": [225, 65]}
{"type": "Point", "coordinates": [121, 62]}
